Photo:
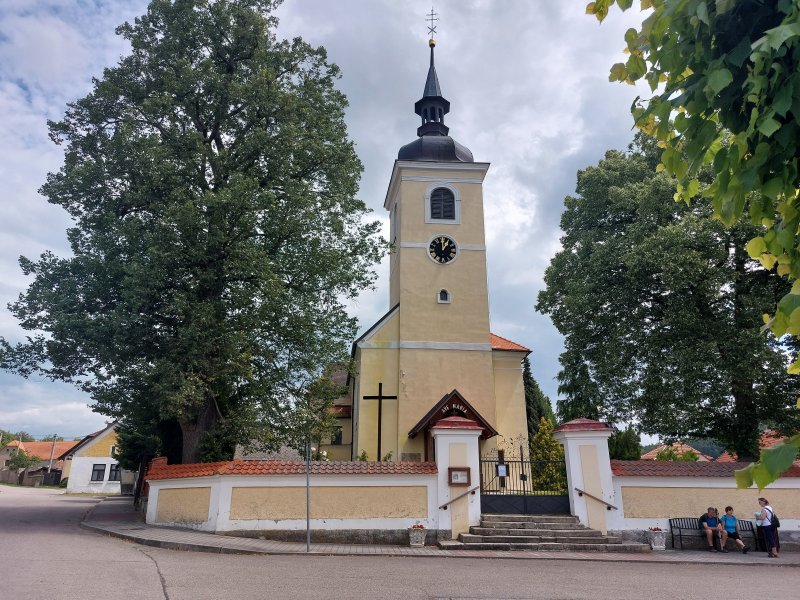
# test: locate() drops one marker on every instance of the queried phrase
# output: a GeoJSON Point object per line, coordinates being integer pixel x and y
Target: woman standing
{"type": "Point", "coordinates": [766, 515]}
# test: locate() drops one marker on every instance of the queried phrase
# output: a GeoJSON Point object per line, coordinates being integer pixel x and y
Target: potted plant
{"type": "Point", "coordinates": [416, 535]}
{"type": "Point", "coordinates": [657, 538]}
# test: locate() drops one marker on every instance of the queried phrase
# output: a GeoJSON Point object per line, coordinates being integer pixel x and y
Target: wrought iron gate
{"type": "Point", "coordinates": [520, 486]}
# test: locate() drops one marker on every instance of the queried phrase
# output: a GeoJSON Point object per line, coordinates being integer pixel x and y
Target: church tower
{"type": "Point", "coordinates": [432, 354]}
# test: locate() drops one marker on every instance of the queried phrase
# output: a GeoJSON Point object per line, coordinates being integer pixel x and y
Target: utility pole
{"type": "Point", "coordinates": [52, 451]}
{"type": "Point", "coordinates": [308, 493]}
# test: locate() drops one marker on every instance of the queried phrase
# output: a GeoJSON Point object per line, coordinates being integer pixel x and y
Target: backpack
{"type": "Point", "coordinates": [774, 519]}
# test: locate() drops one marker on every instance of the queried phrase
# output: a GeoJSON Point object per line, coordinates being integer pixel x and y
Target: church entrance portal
{"type": "Point", "coordinates": [517, 485]}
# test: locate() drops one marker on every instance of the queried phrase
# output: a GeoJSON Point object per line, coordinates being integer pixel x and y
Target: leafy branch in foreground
{"type": "Point", "coordinates": [729, 97]}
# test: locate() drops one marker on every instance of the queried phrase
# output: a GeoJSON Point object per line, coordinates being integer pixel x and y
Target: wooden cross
{"type": "Point", "coordinates": [380, 398]}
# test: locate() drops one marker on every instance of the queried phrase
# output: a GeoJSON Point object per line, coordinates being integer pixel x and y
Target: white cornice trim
{"type": "Point", "coordinates": [440, 179]}
{"type": "Point", "coordinates": [424, 246]}
{"type": "Point", "coordinates": [414, 345]}
{"type": "Point", "coordinates": [394, 180]}
{"type": "Point", "coordinates": [441, 166]}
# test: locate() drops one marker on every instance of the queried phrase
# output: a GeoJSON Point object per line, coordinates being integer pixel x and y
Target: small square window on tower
{"type": "Point", "coordinates": [443, 297]}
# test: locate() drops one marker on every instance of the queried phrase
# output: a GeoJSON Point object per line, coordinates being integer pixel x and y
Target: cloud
{"type": "Point", "coordinates": [527, 82]}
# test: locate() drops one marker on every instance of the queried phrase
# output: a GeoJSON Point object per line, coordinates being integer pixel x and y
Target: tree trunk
{"type": "Point", "coordinates": [746, 418]}
{"type": "Point", "coordinates": [193, 431]}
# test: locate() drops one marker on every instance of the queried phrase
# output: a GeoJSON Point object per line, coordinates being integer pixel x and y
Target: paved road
{"type": "Point", "coordinates": [46, 556]}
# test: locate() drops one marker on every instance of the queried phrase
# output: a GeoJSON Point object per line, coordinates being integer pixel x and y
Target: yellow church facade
{"type": "Point", "coordinates": [432, 355]}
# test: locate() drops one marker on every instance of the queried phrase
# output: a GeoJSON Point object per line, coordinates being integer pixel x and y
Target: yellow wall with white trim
{"type": "Point", "coordinates": [329, 502]}
{"type": "Point", "coordinates": [186, 505]}
{"type": "Point", "coordinates": [670, 502]}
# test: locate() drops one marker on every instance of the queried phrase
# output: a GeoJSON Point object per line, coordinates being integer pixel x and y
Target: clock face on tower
{"type": "Point", "coordinates": [442, 249]}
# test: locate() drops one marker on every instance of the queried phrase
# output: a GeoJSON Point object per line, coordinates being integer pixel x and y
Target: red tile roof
{"type": "Point", "coordinates": [161, 470]}
{"type": "Point", "coordinates": [667, 468]}
{"type": "Point", "coordinates": [680, 448]}
{"type": "Point", "coordinates": [42, 449]}
{"type": "Point", "coordinates": [501, 343]}
{"type": "Point", "coordinates": [582, 424]}
{"type": "Point", "coordinates": [768, 439]}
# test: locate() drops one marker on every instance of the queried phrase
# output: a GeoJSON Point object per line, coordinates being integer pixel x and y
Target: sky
{"type": "Point", "coordinates": [527, 82]}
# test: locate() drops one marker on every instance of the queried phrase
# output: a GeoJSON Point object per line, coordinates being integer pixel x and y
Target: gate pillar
{"type": "Point", "coordinates": [458, 463]}
{"type": "Point", "coordinates": [588, 470]}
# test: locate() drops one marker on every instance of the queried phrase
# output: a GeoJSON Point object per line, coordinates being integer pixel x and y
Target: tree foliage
{"type": "Point", "coordinates": [8, 436]}
{"type": "Point", "coordinates": [22, 460]}
{"type": "Point", "coordinates": [548, 472]}
{"type": "Point", "coordinates": [625, 444]}
{"type": "Point", "coordinates": [660, 309]}
{"type": "Point", "coordinates": [216, 233]}
{"type": "Point", "coordinates": [537, 405]}
{"type": "Point", "coordinates": [727, 94]}
{"type": "Point", "coordinates": [671, 454]}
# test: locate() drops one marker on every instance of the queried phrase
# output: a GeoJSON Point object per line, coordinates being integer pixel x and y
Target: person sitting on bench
{"type": "Point", "coordinates": [711, 526]}
{"type": "Point", "coordinates": [730, 529]}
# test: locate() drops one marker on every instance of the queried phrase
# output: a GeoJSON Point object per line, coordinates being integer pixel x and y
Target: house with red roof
{"type": "Point", "coordinates": [767, 439]}
{"type": "Point", "coordinates": [49, 468]}
{"type": "Point", "coordinates": [91, 465]}
{"type": "Point", "coordinates": [680, 448]}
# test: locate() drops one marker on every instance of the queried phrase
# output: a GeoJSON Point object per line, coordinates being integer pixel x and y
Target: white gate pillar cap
{"type": "Point", "coordinates": [582, 428]}
{"type": "Point", "coordinates": [456, 424]}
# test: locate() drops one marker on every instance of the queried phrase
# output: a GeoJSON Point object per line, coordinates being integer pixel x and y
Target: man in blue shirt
{"type": "Point", "coordinates": [711, 526]}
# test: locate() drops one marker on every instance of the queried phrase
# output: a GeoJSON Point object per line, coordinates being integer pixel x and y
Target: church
{"type": "Point", "coordinates": [432, 355]}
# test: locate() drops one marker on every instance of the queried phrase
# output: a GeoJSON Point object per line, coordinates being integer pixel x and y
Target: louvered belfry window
{"type": "Point", "coordinates": [443, 204]}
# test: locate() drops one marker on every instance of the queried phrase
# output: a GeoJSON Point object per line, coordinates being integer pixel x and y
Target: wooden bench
{"type": "Point", "coordinates": [690, 528]}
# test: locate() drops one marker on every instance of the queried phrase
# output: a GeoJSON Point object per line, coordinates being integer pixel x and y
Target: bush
{"type": "Point", "coordinates": [63, 482]}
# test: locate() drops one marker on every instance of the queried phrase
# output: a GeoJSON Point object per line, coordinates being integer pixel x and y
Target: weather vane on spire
{"type": "Point", "coordinates": [432, 18]}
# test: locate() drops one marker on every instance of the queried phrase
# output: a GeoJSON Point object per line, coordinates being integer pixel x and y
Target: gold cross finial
{"type": "Point", "coordinates": [432, 18]}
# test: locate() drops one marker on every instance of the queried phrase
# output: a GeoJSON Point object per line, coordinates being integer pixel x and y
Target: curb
{"type": "Point", "coordinates": [430, 552]}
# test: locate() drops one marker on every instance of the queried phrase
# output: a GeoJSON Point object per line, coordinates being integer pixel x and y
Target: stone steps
{"type": "Point", "coordinates": [469, 538]}
{"type": "Point", "coordinates": [549, 547]}
{"type": "Point", "coordinates": [490, 518]}
{"type": "Point", "coordinates": [576, 532]}
{"type": "Point", "coordinates": [553, 533]}
{"type": "Point", "coordinates": [531, 526]}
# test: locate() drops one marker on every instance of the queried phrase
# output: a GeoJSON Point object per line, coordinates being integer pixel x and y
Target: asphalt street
{"type": "Point", "coordinates": [45, 555]}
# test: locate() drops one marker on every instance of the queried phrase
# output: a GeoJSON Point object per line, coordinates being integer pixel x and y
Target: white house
{"type": "Point", "coordinates": [91, 464]}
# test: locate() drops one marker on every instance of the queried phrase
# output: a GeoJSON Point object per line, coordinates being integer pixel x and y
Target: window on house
{"type": "Point", "coordinates": [443, 204]}
{"type": "Point", "coordinates": [113, 473]}
{"type": "Point", "coordinates": [98, 472]}
{"type": "Point", "coordinates": [336, 440]}
{"type": "Point", "coordinates": [444, 297]}
{"type": "Point", "coordinates": [113, 453]}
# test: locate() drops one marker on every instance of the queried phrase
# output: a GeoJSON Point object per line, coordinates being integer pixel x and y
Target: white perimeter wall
{"type": "Point", "coordinates": [222, 486]}
{"type": "Point", "coordinates": [697, 495]}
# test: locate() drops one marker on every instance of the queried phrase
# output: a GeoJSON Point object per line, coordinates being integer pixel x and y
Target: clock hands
{"type": "Point", "coordinates": [442, 249]}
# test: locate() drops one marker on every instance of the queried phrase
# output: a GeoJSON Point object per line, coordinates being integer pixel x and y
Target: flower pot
{"type": "Point", "coordinates": [657, 540]}
{"type": "Point", "coordinates": [416, 537]}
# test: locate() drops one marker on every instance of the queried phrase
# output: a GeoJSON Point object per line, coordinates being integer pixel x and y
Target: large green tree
{"type": "Point", "coordinates": [660, 308]}
{"type": "Point", "coordinates": [537, 405]}
{"type": "Point", "coordinates": [216, 233]}
{"type": "Point", "coordinates": [727, 94]}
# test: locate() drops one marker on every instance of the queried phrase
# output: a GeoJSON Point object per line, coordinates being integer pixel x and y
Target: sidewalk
{"type": "Point", "coordinates": [116, 517]}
